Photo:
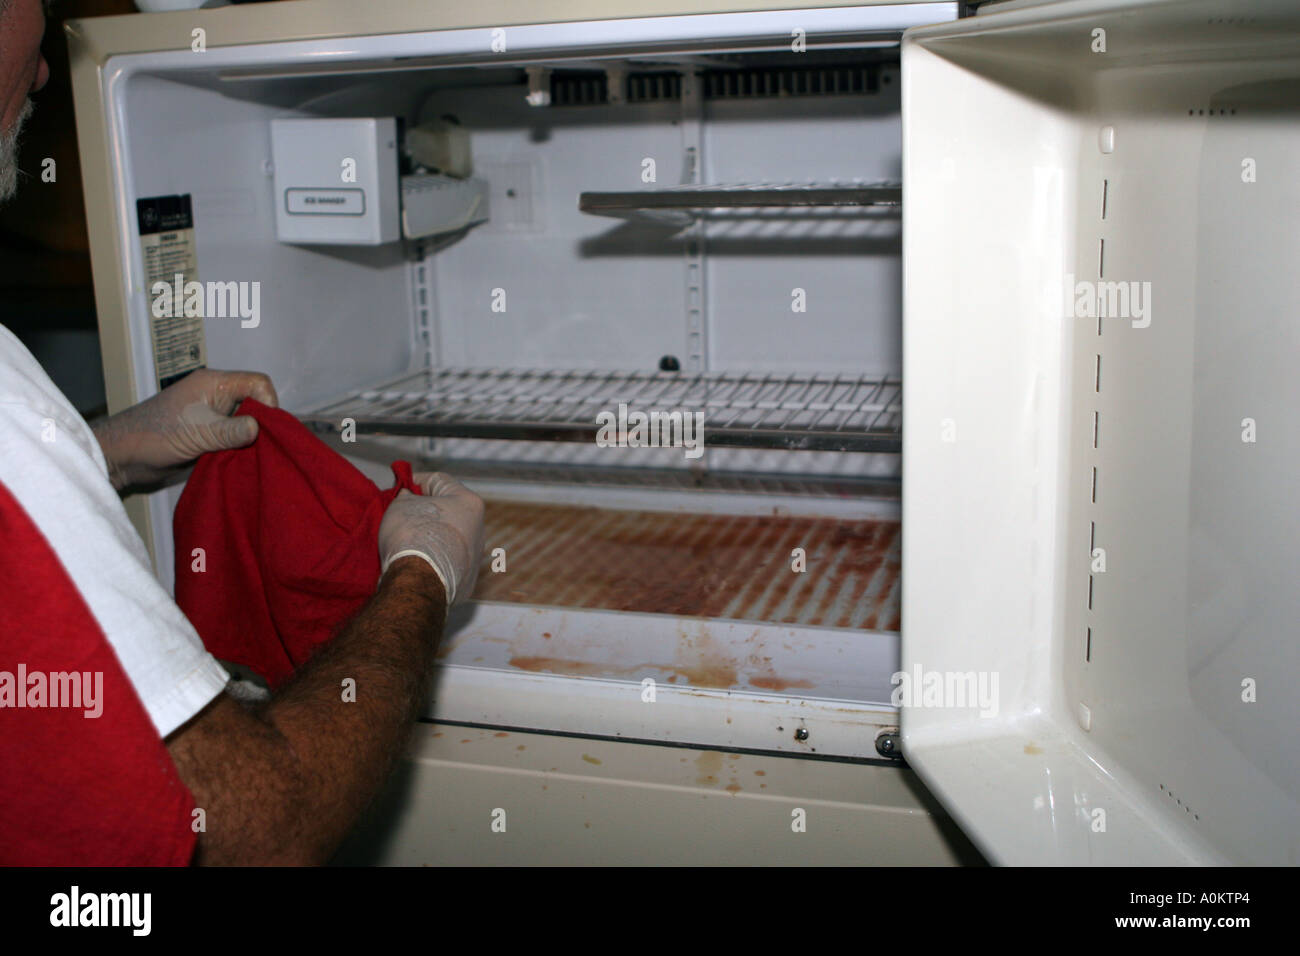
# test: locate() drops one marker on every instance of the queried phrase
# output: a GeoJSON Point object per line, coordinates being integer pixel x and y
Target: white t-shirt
{"type": "Point", "coordinates": [52, 464]}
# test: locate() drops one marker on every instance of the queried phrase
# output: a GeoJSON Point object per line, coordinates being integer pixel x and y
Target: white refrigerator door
{"type": "Point", "coordinates": [1101, 535]}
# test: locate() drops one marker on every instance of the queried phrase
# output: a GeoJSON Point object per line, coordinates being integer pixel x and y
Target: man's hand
{"type": "Point", "coordinates": [443, 525]}
{"type": "Point", "coordinates": [148, 441]}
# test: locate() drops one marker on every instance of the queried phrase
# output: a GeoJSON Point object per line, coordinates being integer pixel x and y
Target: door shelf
{"type": "Point", "coordinates": [813, 412]}
{"type": "Point", "coordinates": [684, 204]}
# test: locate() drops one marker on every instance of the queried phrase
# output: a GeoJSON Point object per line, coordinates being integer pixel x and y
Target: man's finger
{"type": "Point", "coordinates": [234, 387]}
{"type": "Point", "coordinates": [233, 433]}
{"type": "Point", "coordinates": [438, 483]}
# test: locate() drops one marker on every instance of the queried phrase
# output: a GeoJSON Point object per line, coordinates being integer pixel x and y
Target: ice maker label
{"type": "Point", "coordinates": [167, 250]}
{"type": "Point", "coordinates": [325, 202]}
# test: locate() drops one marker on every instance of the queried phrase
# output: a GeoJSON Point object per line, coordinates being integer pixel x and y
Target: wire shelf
{"type": "Point", "coordinates": [681, 204]}
{"type": "Point", "coordinates": [821, 412]}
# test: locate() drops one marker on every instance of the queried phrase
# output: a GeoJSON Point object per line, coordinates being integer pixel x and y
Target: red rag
{"type": "Point", "coordinates": [79, 790]}
{"type": "Point", "coordinates": [288, 531]}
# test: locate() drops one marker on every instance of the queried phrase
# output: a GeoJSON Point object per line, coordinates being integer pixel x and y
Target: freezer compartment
{"type": "Point", "coordinates": [773, 313]}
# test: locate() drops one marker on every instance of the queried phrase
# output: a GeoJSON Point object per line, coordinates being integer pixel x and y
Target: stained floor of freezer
{"type": "Point", "coordinates": [737, 567]}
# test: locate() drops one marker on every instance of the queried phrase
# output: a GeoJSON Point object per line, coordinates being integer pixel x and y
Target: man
{"type": "Point", "coordinates": [281, 782]}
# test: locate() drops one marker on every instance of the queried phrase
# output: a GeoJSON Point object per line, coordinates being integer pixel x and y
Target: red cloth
{"type": "Point", "coordinates": [289, 531]}
{"type": "Point", "coordinates": [77, 790]}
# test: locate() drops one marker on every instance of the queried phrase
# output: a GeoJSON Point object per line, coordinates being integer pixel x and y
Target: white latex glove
{"type": "Point", "coordinates": [444, 526]}
{"type": "Point", "coordinates": [146, 442]}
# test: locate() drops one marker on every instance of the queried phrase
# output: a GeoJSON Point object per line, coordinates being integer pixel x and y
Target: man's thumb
{"type": "Point", "coordinates": [235, 432]}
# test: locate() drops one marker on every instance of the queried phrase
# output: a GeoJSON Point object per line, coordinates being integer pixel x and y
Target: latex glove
{"type": "Point", "coordinates": [443, 525]}
{"type": "Point", "coordinates": [148, 441]}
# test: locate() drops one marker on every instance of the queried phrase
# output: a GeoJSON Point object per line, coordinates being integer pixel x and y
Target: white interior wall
{"type": "Point", "coordinates": [331, 317]}
{"type": "Point", "coordinates": [593, 292]}
{"type": "Point", "coordinates": [1199, 526]}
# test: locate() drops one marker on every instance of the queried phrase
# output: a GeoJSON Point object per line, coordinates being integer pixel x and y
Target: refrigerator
{"type": "Point", "coordinates": [1050, 621]}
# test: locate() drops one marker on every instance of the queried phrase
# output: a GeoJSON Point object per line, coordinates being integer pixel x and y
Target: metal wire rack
{"type": "Point", "coordinates": [681, 204]}
{"type": "Point", "coordinates": [821, 412]}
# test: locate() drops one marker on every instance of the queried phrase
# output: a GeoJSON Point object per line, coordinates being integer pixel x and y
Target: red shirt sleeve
{"type": "Point", "coordinates": [86, 780]}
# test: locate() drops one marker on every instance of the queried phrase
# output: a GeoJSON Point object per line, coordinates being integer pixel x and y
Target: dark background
{"type": "Point", "coordinates": [46, 297]}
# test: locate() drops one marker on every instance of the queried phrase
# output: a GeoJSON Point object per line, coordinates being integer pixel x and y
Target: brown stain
{"type": "Point", "coordinates": [733, 787]}
{"type": "Point", "coordinates": [437, 733]}
{"type": "Point", "coordinates": [565, 665]}
{"type": "Point", "coordinates": [465, 741]}
{"type": "Point", "coordinates": [708, 766]}
{"type": "Point", "coordinates": [546, 635]}
{"type": "Point", "coordinates": [696, 565]}
{"type": "Point", "coordinates": [521, 747]}
{"type": "Point", "coordinates": [760, 773]}
{"type": "Point", "coordinates": [1033, 749]}
{"type": "Point", "coordinates": [590, 759]}
{"type": "Point", "coordinates": [501, 733]}
{"type": "Point", "coordinates": [772, 682]}
{"type": "Point", "coordinates": [702, 661]}
{"type": "Point", "coordinates": [709, 673]}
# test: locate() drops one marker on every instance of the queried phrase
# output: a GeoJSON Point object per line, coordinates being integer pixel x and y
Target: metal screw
{"type": "Point", "coordinates": [888, 744]}
{"type": "Point", "coordinates": [801, 733]}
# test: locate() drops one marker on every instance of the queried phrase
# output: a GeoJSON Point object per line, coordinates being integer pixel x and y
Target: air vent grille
{"type": "Point", "coordinates": [652, 87]}
{"type": "Point", "coordinates": [790, 81]}
{"type": "Point", "coordinates": [578, 88]}
{"type": "Point", "coordinates": [590, 88]}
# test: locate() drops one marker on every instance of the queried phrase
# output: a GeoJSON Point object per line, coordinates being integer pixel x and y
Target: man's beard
{"type": "Point", "coordinates": [9, 154]}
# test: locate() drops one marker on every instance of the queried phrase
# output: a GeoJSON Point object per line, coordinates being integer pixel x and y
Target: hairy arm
{"type": "Point", "coordinates": [283, 782]}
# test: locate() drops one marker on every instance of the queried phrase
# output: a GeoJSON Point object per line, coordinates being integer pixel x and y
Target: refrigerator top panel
{"type": "Point", "coordinates": [1099, 601]}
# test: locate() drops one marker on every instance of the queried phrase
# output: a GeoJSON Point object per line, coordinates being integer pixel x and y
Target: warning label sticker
{"type": "Point", "coordinates": [167, 246]}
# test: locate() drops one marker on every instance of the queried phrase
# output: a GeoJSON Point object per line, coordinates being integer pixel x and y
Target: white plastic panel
{"type": "Point", "coordinates": [570, 800]}
{"type": "Point", "coordinates": [1086, 519]}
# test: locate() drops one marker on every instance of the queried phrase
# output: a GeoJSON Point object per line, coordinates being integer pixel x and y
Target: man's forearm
{"type": "Point", "coordinates": [286, 781]}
